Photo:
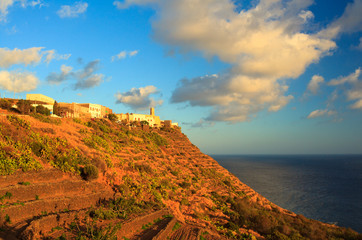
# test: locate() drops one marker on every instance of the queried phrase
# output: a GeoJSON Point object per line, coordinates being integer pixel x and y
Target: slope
{"type": "Point", "coordinates": [96, 179]}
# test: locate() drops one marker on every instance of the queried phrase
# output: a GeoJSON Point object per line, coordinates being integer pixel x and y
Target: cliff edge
{"type": "Point", "coordinates": [97, 179]}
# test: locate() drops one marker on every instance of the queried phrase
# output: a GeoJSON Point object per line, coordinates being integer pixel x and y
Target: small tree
{"type": "Point", "coordinates": [42, 110]}
{"type": "Point", "coordinates": [5, 104]}
{"type": "Point", "coordinates": [112, 117]}
{"type": "Point", "coordinates": [144, 123]}
{"type": "Point", "coordinates": [56, 109]}
{"type": "Point", "coordinates": [24, 106]}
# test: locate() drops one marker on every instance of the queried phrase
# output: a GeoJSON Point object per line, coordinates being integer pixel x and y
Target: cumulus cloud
{"type": "Point", "coordinates": [18, 81]}
{"type": "Point", "coordinates": [6, 4]}
{"type": "Point", "coordinates": [72, 11]}
{"type": "Point", "coordinates": [315, 83]}
{"type": "Point", "coordinates": [321, 113]}
{"type": "Point", "coordinates": [85, 78]}
{"type": "Point", "coordinates": [233, 98]}
{"type": "Point", "coordinates": [30, 56]}
{"type": "Point", "coordinates": [352, 85]}
{"type": "Point", "coordinates": [124, 54]}
{"type": "Point", "coordinates": [139, 98]}
{"type": "Point", "coordinates": [264, 46]}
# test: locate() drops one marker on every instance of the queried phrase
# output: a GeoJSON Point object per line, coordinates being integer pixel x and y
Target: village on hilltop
{"type": "Point", "coordinates": [90, 110]}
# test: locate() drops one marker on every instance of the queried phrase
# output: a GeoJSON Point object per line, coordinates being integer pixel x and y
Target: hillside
{"type": "Point", "coordinates": [95, 179]}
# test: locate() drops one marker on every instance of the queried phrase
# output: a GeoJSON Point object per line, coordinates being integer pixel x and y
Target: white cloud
{"type": "Point", "coordinates": [57, 78]}
{"type": "Point", "coordinates": [68, 11]}
{"type": "Point", "coordinates": [6, 4]}
{"type": "Point", "coordinates": [51, 55]}
{"type": "Point", "coordinates": [320, 113]}
{"type": "Point", "coordinates": [35, 3]}
{"type": "Point", "coordinates": [85, 78]}
{"type": "Point", "coordinates": [202, 123]}
{"type": "Point", "coordinates": [18, 81]}
{"type": "Point", "coordinates": [127, 3]}
{"type": "Point", "coordinates": [357, 105]}
{"type": "Point", "coordinates": [30, 56]}
{"type": "Point", "coordinates": [352, 85]}
{"type": "Point", "coordinates": [133, 53]}
{"type": "Point", "coordinates": [315, 83]}
{"type": "Point", "coordinates": [359, 47]}
{"type": "Point", "coordinates": [139, 98]}
{"type": "Point", "coordinates": [306, 15]}
{"type": "Point", "coordinates": [264, 46]}
{"type": "Point", "coordinates": [233, 97]}
{"type": "Point", "coordinates": [352, 78]}
{"type": "Point", "coordinates": [124, 54]}
{"type": "Point", "coordinates": [349, 22]}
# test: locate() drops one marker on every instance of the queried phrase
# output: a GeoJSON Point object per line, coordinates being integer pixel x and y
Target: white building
{"type": "Point", "coordinates": [153, 121]}
{"type": "Point", "coordinates": [94, 110]}
{"type": "Point", "coordinates": [40, 99]}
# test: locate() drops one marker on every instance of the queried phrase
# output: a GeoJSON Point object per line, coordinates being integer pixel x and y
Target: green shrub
{"type": "Point", "coordinates": [24, 183]}
{"type": "Point", "coordinates": [144, 168]}
{"type": "Point", "coordinates": [157, 139]}
{"type": "Point", "coordinates": [184, 201]}
{"type": "Point", "coordinates": [7, 195]}
{"type": "Point", "coordinates": [46, 118]}
{"type": "Point", "coordinates": [109, 163]}
{"type": "Point", "coordinates": [37, 148]}
{"type": "Point", "coordinates": [112, 117]}
{"type": "Point", "coordinates": [184, 184]}
{"type": "Point", "coordinates": [7, 165]}
{"type": "Point", "coordinates": [104, 214]}
{"type": "Point", "coordinates": [90, 172]}
{"type": "Point", "coordinates": [18, 121]}
{"type": "Point", "coordinates": [42, 110]}
{"type": "Point", "coordinates": [24, 106]}
{"type": "Point", "coordinates": [92, 231]}
{"type": "Point", "coordinates": [5, 104]}
{"type": "Point", "coordinates": [77, 120]}
{"type": "Point", "coordinates": [176, 226]}
{"type": "Point", "coordinates": [19, 158]}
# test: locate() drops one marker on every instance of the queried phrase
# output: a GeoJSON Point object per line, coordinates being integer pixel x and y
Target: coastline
{"type": "Point", "coordinates": [299, 184]}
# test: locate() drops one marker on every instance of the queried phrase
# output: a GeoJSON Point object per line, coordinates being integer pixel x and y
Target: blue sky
{"type": "Point", "coordinates": [240, 77]}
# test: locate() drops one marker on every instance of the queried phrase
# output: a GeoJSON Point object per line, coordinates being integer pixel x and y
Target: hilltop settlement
{"type": "Point", "coordinates": [49, 106]}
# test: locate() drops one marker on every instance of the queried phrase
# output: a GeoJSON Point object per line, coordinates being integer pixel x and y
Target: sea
{"type": "Point", "coordinates": [327, 188]}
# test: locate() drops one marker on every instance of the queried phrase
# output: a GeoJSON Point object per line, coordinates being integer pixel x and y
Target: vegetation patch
{"type": "Point", "coordinates": [45, 118]}
{"type": "Point", "coordinates": [90, 172]}
{"type": "Point", "coordinates": [176, 226]}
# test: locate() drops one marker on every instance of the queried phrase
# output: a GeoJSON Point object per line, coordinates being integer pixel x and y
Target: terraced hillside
{"type": "Point", "coordinates": [95, 179]}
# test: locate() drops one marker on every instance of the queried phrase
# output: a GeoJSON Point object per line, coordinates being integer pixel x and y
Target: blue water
{"type": "Point", "coordinates": [322, 187]}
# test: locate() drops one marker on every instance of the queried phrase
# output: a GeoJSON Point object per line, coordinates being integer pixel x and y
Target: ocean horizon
{"type": "Point", "coordinates": [323, 187]}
